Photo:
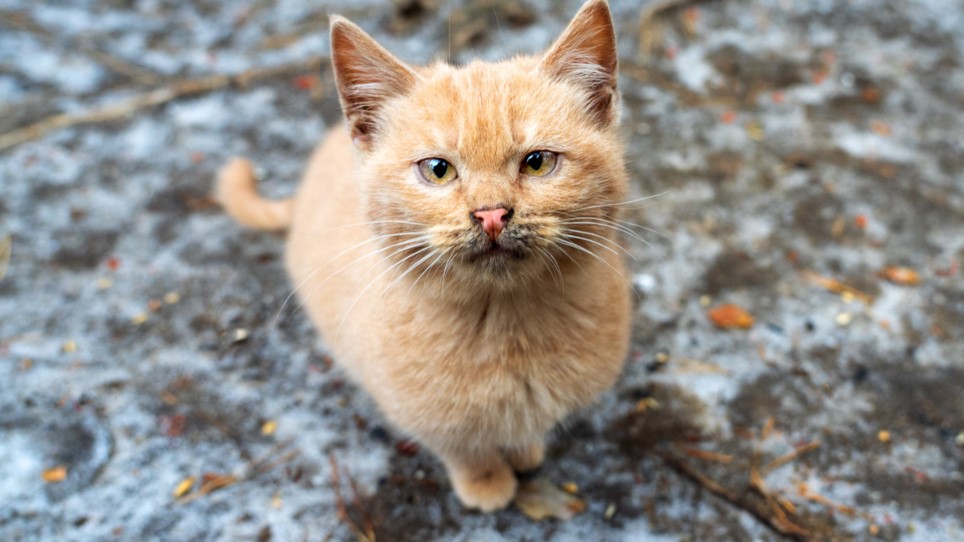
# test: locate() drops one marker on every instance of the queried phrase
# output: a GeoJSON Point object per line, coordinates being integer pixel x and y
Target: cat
{"type": "Point", "coordinates": [454, 243]}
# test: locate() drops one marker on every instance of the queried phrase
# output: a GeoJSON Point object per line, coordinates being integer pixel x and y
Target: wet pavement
{"type": "Point", "coordinates": [809, 164]}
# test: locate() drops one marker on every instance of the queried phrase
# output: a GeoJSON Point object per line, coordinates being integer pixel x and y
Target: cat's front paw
{"type": "Point", "coordinates": [488, 489]}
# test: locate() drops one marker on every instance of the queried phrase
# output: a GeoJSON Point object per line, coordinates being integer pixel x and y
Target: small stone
{"type": "Point", "coordinates": [844, 319]}
{"type": "Point", "coordinates": [705, 300]}
{"type": "Point", "coordinates": [269, 427]}
{"type": "Point", "coordinates": [662, 357]}
{"type": "Point", "coordinates": [172, 298]}
{"type": "Point", "coordinates": [960, 439]}
{"type": "Point", "coordinates": [610, 511]}
{"type": "Point", "coordinates": [240, 334]}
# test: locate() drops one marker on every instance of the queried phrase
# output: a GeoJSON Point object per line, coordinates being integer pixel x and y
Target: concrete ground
{"type": "Point", "coordinates": [810, 164]}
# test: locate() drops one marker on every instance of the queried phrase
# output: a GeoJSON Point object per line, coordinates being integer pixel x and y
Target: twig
{"type": "Point", "coordinates": [680, 466]}
{"type": "Point", "coordinates": [153, 98]}
{"type": "Point", "coordinates": [838, 287]}
{"type": "Point", "coordinates": [254, 468]}
{"type": "Point", "coordinates": [788, 457]}
{"type": "Point", "coordinates": [6, 249]}
{"type": "Point", "coordinates": [22, 21]}
{"type": "Point", "coordinates": [760, 510]}
{"type": "Point", "coordinates": [340, 503]}
{"type": "Point", "coordinates": [806, 493]}
{"type": "Point", "coordinates": [706, 455]}
{"type": "Point", "coordinates": [356, 501]}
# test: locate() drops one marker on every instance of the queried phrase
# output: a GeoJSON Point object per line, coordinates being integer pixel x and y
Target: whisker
{"type": "Point", "coordinates": [597, 243]}
{"type": "Point", "coordinates": [333, 258]}
{"type": "Point", "coordinates": [596, 256]}
{"type": "Point", "coordinates": [426, 270]}
{"type": "Point", "coordinates": [407, 271]}
{"type": "Point", "coordinates": [589, 252]}
{"type": "Point", "coordinates": [372, 282]}
{"type": "Point", "coordinates": [605, 224]}
{"type": "Point", "coordinates": [557, 271]}
{"type": "Point", "coordinates": [308, 236]}
{"type": "Point", "coordinates": [637, 200]}
{"type": "Point", "coordinates": [401, 246]}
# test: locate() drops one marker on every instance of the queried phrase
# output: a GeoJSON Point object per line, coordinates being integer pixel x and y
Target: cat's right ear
{"type": "Point", "coordinates": [366, 75]}
{"type": "Point", "coordinates": [585, 56]}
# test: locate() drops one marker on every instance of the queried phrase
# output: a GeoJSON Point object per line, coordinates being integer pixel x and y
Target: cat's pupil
{"type": "Point", "coordinates": [439, 168]}
{"type": "Point", "coordinates": [534, 161]}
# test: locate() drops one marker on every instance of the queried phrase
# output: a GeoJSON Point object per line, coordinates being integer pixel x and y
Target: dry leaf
{"type": "Point", "coordinates": [540, 499]}
{"type": "Point", "coordinates": [6, 246]}
{"type": "Point", "coordinates": [646, 403]}
{"type": "Point", "coordinates": [838, 287]}
{"type": "Point", "coordinates": [754, 130]}
{"type": "Point", "coordinates": [213, 481]}
{"type": "Point", "coordinates": [183, 487]}
{"type": "Point", "coordinates": [55, 474]}
{"type": "Point", "coordinates": [904, 276]}
{"type": "Point", "coordinates": [730, 316]}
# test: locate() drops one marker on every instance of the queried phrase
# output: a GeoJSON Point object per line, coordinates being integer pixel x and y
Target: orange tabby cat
{"type": "Point", "coordinates": [454, 243]}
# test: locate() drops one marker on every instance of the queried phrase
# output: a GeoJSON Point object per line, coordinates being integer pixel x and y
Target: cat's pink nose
{"type": "Point", "coordinates": [493, 221]}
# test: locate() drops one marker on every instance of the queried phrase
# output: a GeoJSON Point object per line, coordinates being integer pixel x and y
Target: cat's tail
{"type": "Point", "coordinates": [237, 192]}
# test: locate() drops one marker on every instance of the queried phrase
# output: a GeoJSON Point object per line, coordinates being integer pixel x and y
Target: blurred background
{"type": "Point", "coordinates": [798, 349]}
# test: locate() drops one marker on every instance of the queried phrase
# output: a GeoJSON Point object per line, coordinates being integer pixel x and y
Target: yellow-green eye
{"type": "Point", "coordinates": [539, 163]}
{"type": "Point", "coordinates": [437, 171]}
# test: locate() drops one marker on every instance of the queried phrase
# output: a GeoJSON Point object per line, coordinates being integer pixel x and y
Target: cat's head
{"type": "Point", "coordinates": [492, 172]}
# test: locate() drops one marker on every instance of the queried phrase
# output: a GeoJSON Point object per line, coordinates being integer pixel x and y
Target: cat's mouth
{"type": "Point", "coordinates": [496, 251]}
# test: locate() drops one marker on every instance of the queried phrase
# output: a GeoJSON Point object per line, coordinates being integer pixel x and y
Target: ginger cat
{"type": "Point", "coordinates": [454, 243]}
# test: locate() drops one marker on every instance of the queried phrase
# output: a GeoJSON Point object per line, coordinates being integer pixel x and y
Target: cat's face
{"type": "Point", "coordinates": [496, 173]}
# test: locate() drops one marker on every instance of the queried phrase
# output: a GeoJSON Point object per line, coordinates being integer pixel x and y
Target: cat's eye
{"type": "Point", "coordinates": [539, 163]}
{"type": "Point", "coordinates": [437, 171]}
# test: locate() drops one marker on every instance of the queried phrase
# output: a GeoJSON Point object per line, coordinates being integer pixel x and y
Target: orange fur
{"type": "Point", "coordinates": [477, 355]}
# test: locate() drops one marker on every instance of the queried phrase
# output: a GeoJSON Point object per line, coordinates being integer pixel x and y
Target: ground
{"type": "Point", "coordinates": [803, 153]}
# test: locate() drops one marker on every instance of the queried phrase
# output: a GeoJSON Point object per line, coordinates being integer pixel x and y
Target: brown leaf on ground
{"type": "Point", "coordinates": [730, 316]}
{"type": "Point", "coordinates": [540, 499]}
{"type": "Point", "coordinates": [904, 276]}
{"type": "Point", "coordinates": [55, 474]}
{"type": "Point", "coordinates": [183, 487]}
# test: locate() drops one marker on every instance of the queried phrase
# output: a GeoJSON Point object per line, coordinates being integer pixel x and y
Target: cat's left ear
{"type": "Point", "coordinates": [367, 76]}
{"type": "Point", "coordinates": [585, 56]}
